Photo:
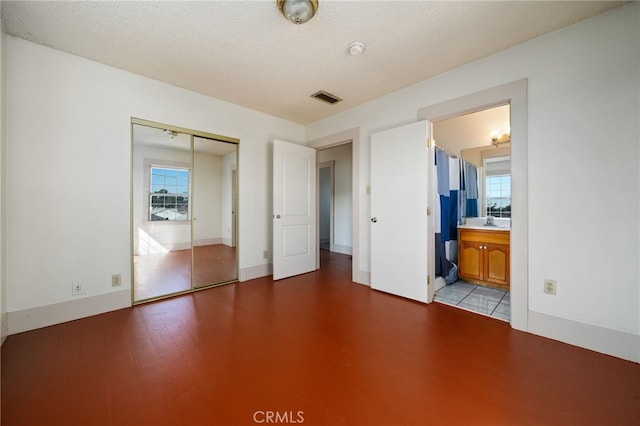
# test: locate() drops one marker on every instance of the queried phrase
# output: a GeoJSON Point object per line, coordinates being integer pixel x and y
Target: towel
{"type": "Point", "coordinates": [442, 165]}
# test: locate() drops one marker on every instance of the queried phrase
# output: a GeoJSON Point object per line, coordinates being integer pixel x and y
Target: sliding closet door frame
{"type": "Point", "coordinates": [234, 208]}
{"type": "Point", "coordinates": [192, 133]}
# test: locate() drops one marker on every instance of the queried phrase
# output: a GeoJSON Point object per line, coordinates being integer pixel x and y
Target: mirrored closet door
{"type": "Point", "coordinates": [184, 207]}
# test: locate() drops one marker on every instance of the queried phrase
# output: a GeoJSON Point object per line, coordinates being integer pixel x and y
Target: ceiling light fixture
{"type": "Point", "coordinates": [355, 48]}
{"type": "Point", "coordinates": [298, 11]}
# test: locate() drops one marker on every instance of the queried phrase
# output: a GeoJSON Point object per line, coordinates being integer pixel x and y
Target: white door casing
{"type": "Point", "coordinates": [294, 209]}
{"type": "Point", "coordinates": [399, 202]}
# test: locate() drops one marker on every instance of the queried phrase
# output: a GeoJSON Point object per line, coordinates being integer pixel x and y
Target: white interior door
{"type": "Point", "coordinates": [294, 209]}
{"type": "Point", "coordinates": [399, 201]}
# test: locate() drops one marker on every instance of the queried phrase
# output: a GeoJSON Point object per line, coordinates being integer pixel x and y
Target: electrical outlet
{"type": "Point", "coordinates": [116, 280]}
{"type": "Point", "coordinates": [265, 254]}
{"type": "Point", "coordinates": [77, 288]}
{"type": "Point", "coordinates": [550, 287]}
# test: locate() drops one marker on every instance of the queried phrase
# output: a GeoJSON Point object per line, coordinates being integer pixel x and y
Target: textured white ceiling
{"type": "Point", "coordinates": [246, 53]}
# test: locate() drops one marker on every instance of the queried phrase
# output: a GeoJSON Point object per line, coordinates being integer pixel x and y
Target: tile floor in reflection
{"type": "Point", "coordinates": [485, 300]}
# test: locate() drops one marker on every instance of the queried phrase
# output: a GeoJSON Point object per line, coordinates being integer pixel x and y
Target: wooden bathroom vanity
{"type": "Point", "coordinates": [484, 256]}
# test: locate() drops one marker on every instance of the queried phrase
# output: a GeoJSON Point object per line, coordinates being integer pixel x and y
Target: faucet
{"type": "Point", "coordinates": [490, 220]}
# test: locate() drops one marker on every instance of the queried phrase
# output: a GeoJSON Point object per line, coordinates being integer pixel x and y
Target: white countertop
{"type": "Point", "coordinates": [486, 228]}
{"type": "Point", "coordinates": [501, 224]}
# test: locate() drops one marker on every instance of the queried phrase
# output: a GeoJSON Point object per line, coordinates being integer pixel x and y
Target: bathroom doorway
{"type": "Point", "coordinates": [473, 212]}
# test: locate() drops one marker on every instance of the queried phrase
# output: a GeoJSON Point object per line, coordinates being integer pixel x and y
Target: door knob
{"type": "Point", "coordinates": [277, 216]}
{"type": "Point", "coordinates": [374, 219]}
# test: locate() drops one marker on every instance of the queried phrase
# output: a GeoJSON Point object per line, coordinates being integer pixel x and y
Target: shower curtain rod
{"type": "Point", "coordinates": [444, 150]}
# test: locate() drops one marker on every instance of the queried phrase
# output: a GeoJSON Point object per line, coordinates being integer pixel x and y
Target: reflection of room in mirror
{"type": "Point", "coordinates": [183, 211]}
{"type": "Point", "coordinates": [166, 273]}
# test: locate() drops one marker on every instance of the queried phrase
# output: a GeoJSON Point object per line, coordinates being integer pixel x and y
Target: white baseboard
{"type": "Point", "coordinates": [253, 272]}
{"type": "Point", "coordinates": [208, 242]}
{"type": "Point", "coordinates": [43, 316]}
{"type": "Point", "coordinates": [362, 277]}
{"type": "Point", "coordinates": [177, 246]}
{"type": "Point", "coordinates": [4, 327]}
{"type": "Point", "coordinates": [337, 248]}
{"type": "Point", "coordinates": [600, 339]}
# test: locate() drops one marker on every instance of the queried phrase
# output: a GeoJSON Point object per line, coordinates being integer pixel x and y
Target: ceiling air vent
{"type": "Point", "coordinates": [326, 97]}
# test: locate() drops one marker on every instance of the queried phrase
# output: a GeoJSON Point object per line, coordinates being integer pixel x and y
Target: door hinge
{"type": "Point", "coordinates": [429, 142]}
{"type": "Point", "coordinates": [428, 211]}
{"type": "Point", "coordinates": [429, 279]}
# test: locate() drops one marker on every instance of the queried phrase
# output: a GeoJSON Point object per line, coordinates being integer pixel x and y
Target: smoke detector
{"type": "Point", "coordinates": [355, 48]}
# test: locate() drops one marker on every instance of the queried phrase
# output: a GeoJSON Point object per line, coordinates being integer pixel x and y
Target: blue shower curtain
{"type": "Point", "coordinates": [457, 185]}
{"type": "Point", "coordinates": [448, 216]}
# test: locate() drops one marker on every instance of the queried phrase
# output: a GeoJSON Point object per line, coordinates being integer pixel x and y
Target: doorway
{"type": "Point", "coordinates": [184, 204]}
{"type": "Point", "coordinates": [325, 204]}
{"type": "Point", "coordinates": [335, 199]}
{"type": "Point", "coordinates": [471, 272]}
{"type": "Point", "coordinates": [514, 93]}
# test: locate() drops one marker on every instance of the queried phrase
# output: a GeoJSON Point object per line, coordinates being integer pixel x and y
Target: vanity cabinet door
{"type": "Point", "coordinates": [484, 257]}
{"type": "Point", "coordinates": [471, 260]}
{"type": "Point", "coordinates": [496, 264]}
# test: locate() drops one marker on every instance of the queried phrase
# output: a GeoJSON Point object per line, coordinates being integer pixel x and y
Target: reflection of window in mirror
{"type": "Point", "coordinates": [168, 194]}
{"type": "Point", "coordinates": [497, 186]}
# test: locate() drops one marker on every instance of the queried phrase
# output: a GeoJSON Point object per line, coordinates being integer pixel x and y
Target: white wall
{"type": "Point", "coordinates": [343, 193]}
{"type": "Point", "coordinates": [583, 162]}
{"type": "Point", "coordinates": [69, 152]}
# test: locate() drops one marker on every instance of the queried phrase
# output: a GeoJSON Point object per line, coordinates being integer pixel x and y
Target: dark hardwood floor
{"type": "Point", "coordinates": [314, 349]}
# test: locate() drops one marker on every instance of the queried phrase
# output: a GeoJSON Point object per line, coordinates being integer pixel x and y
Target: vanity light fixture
{"type": "Point", "coordinates": [497, 138]}
{"type": "Point", "coordinates": [298, 11]}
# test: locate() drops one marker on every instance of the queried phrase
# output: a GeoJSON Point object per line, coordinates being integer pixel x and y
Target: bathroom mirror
{"type": "Point", "coordinates": [184, 208]}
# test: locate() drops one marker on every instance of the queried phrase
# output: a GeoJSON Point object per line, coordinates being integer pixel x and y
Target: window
{"type": "Point", "coordinates": [169, 194]}
{"type": "Point", "coordinates": [498, 195]}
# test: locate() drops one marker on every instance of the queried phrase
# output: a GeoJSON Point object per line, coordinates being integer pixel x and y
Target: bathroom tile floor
{"type": "Point", "coordinates": [485, 300]}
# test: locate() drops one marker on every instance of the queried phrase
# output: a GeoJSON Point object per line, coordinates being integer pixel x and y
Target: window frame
{"type": "Point", "coordinates": [149, 164]}
{"type": "Point", "coordinates": [487, 199]}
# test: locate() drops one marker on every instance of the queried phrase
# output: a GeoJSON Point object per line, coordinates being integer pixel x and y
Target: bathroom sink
{"type": "Point", "coordinates": [498, 224]}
